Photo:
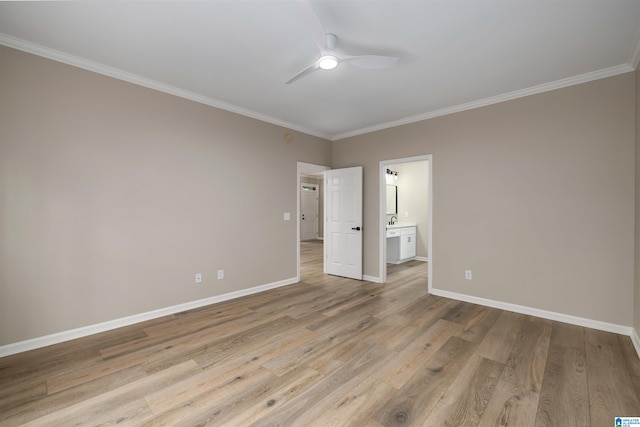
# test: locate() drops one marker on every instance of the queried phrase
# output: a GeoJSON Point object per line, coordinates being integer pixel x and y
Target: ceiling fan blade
{"type": "Point", "coordinates": [310, 69]}
{"type": "Point", "coordinates": [314, 25]}
{"type": "Point", "coordinates": [371, 62]}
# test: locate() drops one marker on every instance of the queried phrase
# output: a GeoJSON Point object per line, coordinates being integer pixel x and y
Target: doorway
{"type": "Point", "coordinates": [309, 173]}
{"type": "Point", "coordinates": [309, 214]}
{"type": "Point", "coordinates": [414, 206]}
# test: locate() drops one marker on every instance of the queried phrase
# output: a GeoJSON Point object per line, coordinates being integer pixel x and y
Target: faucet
{"type": "Point", "coordinates": [392, 221]}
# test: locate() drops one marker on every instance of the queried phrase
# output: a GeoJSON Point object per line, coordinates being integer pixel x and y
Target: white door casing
{"type": "Point", "coordinates": [308, 211]}
{"type": "Point", "coordinates": [343, 222]}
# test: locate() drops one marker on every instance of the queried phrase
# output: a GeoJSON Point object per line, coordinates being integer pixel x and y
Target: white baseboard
{"type": "Point", "coordinates": [402, 261]}
{"type": "Point", "coordinates": [373, 279]}
{"type": "Point", "coordinates": [635, 340]}
{"type": "Point", "coordinates": [59, 337]}
{"type": "Point", "coordinates": [422, 258]}
{"type": "Point", "coordinates": [84, 331]}
{"type": "Point", "coordinates": [574, 320]}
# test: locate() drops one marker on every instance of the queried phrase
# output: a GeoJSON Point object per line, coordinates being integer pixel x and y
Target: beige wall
{"type": "Point", "coordinates": [113, 196]}
{"type": "Point", "coordinates": [535, 195]}
{"type": "Point", "coordinates": [636, 322]}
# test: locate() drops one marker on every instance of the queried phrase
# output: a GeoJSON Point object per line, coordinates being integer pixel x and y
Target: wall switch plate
{"type": "Point", "coordinates": [198, 277]}
{"type": "Point", "coordinates": [468, 275]}
{"type": "Point", "coordinates": [406, 214]}
{"type": "Point", "coordinates": [287, 216]}
{"type": "Point", "coordinates": [220, 274]}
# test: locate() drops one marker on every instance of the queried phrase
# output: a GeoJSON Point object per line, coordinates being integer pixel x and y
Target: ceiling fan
{"type": "Point", "coordinates": [326, 43]}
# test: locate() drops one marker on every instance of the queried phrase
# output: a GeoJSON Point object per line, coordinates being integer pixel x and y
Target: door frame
{"type": "Point", "coordinates": [304, 168]}
{"type": "Point", "coordinates": [317, 210]}
{"type": "Point", "coordinates": [382, 273]}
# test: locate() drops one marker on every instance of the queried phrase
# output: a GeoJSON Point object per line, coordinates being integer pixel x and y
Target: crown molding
{"type": "Point", "coordinates": [546, 87]}
{"type": "Point", "coordinates": [116, 73]}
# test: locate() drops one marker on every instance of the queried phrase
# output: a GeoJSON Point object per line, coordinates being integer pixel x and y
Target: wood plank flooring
{"type": "Point", "coordinates": [330, 351]}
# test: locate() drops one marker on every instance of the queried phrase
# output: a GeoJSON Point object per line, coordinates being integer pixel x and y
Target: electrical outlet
{"type": "Point", "coordinates": [220, 274]}
{"type": "Point", "coordinates": [198, 277]}
{"type": "Point", "coordinates": [468, 275]}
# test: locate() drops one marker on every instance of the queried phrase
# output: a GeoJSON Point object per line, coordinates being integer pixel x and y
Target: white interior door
{"type": "Point", "coordinates": [343, 219]}
{"type": "Point", "coordinates": [308, 211]}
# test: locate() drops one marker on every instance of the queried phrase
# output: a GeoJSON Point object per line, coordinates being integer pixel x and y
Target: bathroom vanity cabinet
{"type": "Point", "coordinates": [401, 242]}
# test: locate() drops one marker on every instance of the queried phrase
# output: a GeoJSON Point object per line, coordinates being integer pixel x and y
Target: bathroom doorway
{"type": "Point", "coordinates": [406, 206]}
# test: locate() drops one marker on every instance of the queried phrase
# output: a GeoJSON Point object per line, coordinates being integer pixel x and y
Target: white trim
{"type": "Point", "coordinates": [422, 258]}
{"type": "Point", "coordinates": [84, 331]}
{"type": "Point", "coordinates": [635, 340]}
{"type": "Point", "coordinates": [371, 278]}
{"type": "Point", "coordinates": [116, 73]}
{"type": "Point", "coordinates": [560, 317]}
{"type": "Point", "coordinates": [402, 261]}
{"type": "Point", "coordinates": [546, 87]}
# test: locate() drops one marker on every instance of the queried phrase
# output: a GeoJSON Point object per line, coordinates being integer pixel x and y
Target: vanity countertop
{"type": "Point", "coordinates": [401, 225]}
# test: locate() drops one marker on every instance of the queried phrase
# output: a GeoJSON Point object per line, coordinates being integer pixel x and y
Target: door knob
{"type": "Point", "coordinates": [355, 228]}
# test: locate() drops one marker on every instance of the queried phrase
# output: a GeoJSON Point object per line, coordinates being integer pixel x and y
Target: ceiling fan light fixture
{"type": "Point", "coordinates": [326, 44]}
{"type": "Point", "coordinates": [328, 62]}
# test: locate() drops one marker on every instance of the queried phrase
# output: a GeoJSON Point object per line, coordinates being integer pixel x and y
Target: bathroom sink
{"type": "Point", "coordinates": [401, 225]}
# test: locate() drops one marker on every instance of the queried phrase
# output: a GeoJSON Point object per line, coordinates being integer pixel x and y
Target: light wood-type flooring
{"type": "Point", "coordinates": [330, 351]}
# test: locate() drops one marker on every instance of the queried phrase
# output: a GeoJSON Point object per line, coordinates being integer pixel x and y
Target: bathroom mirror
{"type": "Point", "coordinates": [392, 199]}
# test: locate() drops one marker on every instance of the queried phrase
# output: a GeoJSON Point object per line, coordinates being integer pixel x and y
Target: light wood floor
{"type": "Point", "coordinates": [330, 352]}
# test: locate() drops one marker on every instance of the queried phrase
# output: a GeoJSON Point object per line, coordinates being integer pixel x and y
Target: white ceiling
{"type": "Point", "coordinates": [238, 54]}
